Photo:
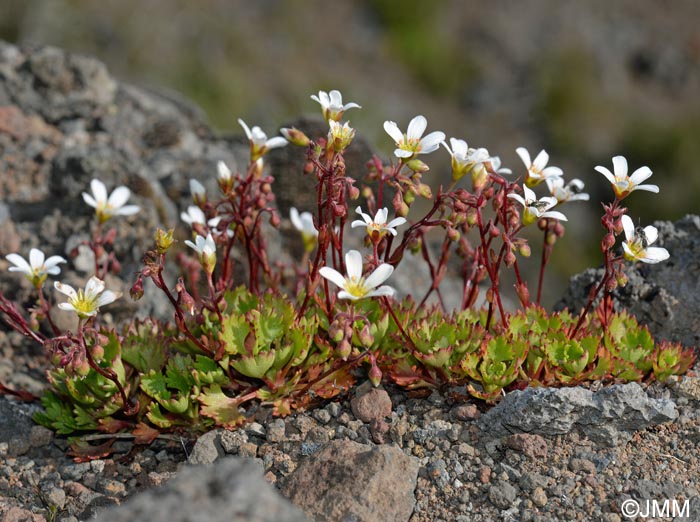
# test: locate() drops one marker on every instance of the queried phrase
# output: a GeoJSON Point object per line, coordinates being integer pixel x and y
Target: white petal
{"type": "Point", "coordinates": [295, 219]}
{"type": "Point", "coordinates": [524, 155]}
{"type": "Point", "coordinates": [447, 148]}
{"type": "Point", "coordinates": [629, 251]}
{"type": "Point", "coordinates": [400, 153]}
{"type": "Point", "coordinates": [366, 217]}
{"type": "Point", "coordinates": [431, 142]}
{"type": "Point", "coordinates": [107, 297]}
{"type": "Point", "coordinates": [65, 289]}
{"type": "Point", "coordinates": [606, 172]}
{"type": "Point", "coordinates": [98, 190]}
{"type": "Point", "coordinates": [382, 291]}
{"type": "Point", "coordinates": [276, 142]}
{"type": "Point", "coordinates": [128, 210]}
{"type": "Point", "coordinates": [196, 188]}
{"type": "Point", "coordinates": [396, 222]}
{"type": "Point", "coordinates": [459, 146]}
{"type": "Point", "coordinates": [192, 245]}
{"type": "Point", "coordinates": [651, 234]}
{"type": "Point", "coordinates": [358, 223]}
{"type": "Point", "coordinates": [333, 275]}
{"type": "Point", "coordinates": [347, 295]}
{"type": "Point", "coordinates": [380, 217]}
{"type": "Point", "coordinates": [518, 198]}
{"type": "Point", "coordinates": [553, 214]}
{"type": "Point", "coordinates": [245, 128]}
{"type": "Point", "coordinates": [620, 166]}
{"type": "Point", "coordinates": [628, 227]}
{"type": "Point", "coordinates": [648, 188]}
{"type": "Point", "coordinates": [89, 200]}
{"type": "Point", "coordinates": [554, 182]}
{"type": "Point", "coordinates": [541, 160]}
{"type": "Point", "coordinates": [529, 194]}
{"type": "Point", "coordinates": [52, 261]}
{"type": "Point", "coordinates": [94, 286]}
{"type": "Point", "coordinates": [351, 105]}
{"type": "Point", "coordinates": [380, 274]}
{"type": "Point", "coordinates": [20, 263]}
{"type": "Point", "coordinates": [655, 254]}
{"type": "Point", "coordinates": [223, 172]}
{"type": "Point", "coordinates": [416, 127]}
{"type": "Point", "coordinates": [639, 175]}
{"type": "Point", "coordinates": [118, 197]}
{"type": "Point", "coordinates": [393, 130]}
{"type": "Point", "coordinates": [336, 99]}
{"type": "Point", "coordinates": [67, 306]}
{"type": "Point", "coordinates": [353, 265]}
{"type": "Point", "coordinates": [36, 258]}
{"type": "Point", "coordinates": [552, 172]}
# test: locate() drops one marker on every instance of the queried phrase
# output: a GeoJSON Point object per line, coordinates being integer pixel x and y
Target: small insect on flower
{"type": "Point", "coordinates": [86, 303]}
{"type": "Point", "coordinates": [535, 209]}
{"type": "Point", "coordinates": [304, 223]}
{"type": "Point", "coordinates": [38, 267]}
{"type": "Point", "coordinates": [377, 228]}
{"type": "Point", "coordinates": [537, 171]}
{"type": "Point", "coordinates": [569, 192]}
{"type": "Point", "coordinates": [114, 205]}
{"type": "Point", "coordinates": [259, 143]}
{"type": "Point", "coordinates": [622, 184]}
{"type": "Point", "coordinates": [206, 250]}
{"type": "Point", "coordinates": [332, 104]}
{"type": "Point", "coordinates": [354, 286]}
{"type": "Point", "coordinates": [412, 143]}
{"type": "Point", "coordinates": [636, 246]}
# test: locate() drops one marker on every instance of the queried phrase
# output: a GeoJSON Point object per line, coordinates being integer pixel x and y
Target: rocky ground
{"type": "Point", "coordinates": [569, 454]}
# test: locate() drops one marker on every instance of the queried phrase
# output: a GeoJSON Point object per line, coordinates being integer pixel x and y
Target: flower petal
{"type": "Point", "coordinates": [628, 227]}
{"type": "Point", "coordinates": [295, 218]}
{"type": "Point", "coordinates": [89, 200]}
{"type": "Point", "coordinates": [382, 291]}
{"type": "Point", "coordinates": [640, 175]}
{"type": "Point", "coordinates": [620, 166]}
{"type": "Point", "coordinates": [99, 191]}
{"type": "Point", "coordinates": [400, 153]}
{"type": "Point", "coordinates": [380, 274]}
{"type": "Point", "coordinates": [416, 127]}
{"type": "Point", "coordinates": [353, 265]}
{"type": "Point", "coordinates": [347, 295]}
{"type": "Point", "coordinates": [128, 210]}
{"type": "Point", "coordinates": [431, 142]}
{"type": "Point", "coordinates": [396, 222]}
{"type": "Point", "coordinates": [94, 286]}
{"type": "Point", "coordinates": [524, 155]}
{"type": "Point", "coordinates": [518, 198]}
{"type": "Point", "coordinates": [36, 258]}
{"type": "Point", "coordinates": [358, 223]}
{"type": "Point", "coordinates": [107, 297]}
{"type": "Point", "coordinates": [118, 197]}
{"type": "Point", "coordinates": [553, 214]}
{"type": "Point", "coordinates": [20, 263]}
{"type": "Point", "coordinates": [393, 130]}
{"type": "Point", "coordinates": [52, 261]}
{"type": "Point", "coordinates": [65, 289]}
{"type": "Point", "coordinates": [333, 276]}
{"type": "Point", "coordinates": [606, 172]}
{"type": "Point", "coordinates": [245, 128]}
{"type": "Point", "coordinates": [648, 188]}
{"type": "Point", "coordinates": [541, 160]}
{"type": "Point", "coordinates": [551, 172]}
{"type": "Point", "coordinates": [276, 142]}
{"type": "Point", "coordinates": [651, 234]}
{"type": "Point", "coordinates": [655, 255]}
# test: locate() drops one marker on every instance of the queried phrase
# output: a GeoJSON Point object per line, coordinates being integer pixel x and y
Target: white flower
{"type": "Point", "coordinates": [223, 173]}
{"type": "Point", "coordinates": [637, 243]}
{"type": "Point", "coordinates": [377, 227]}
{"type": "Point", "coordinates": [496, 166]}
{"type": "Point", "coordinates": [106, 207]}
{"type": "Point", "coordinates": [622, 184]}
{"type": "Point", "coordinates": [340, 135]}
{"type": "Point", "coordinates": [332, 104]}
{"type": "Point", "coordinates": [206, 250]}
{"type": "Point", "coordinates": [196, 215]}
{"type": "Point", "coordinates": [259, 143]}
{"type": "Point", "coordinates": [199, 193]}
{"type": "Point", "coordinates": [354, 286]}
{"type": "Point", "coordinates": [86, 302]}
{"type": "Point", "coordinates": [411, 143]}
{"type": "Point", "coordinates": [304, 223]}
{"type": "Point", "coordinates": [534, 209]}
{"type": "Point", "coordinates": [465, 159]}
{"type": "Point", "coordinates": [537, 171]}
{"type": "Point", "coordinates": [569, 192]}
{"type": "Point", "coordinates": [38, 268]}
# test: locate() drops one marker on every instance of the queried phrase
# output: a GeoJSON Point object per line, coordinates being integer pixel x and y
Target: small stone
{"type": "Point", "coordinates": [539, 497]}
{"type": "Point", "coordinates": [531, 480]}
{"type": "Point", "coordinates": [502, 494]}
{"type": "Point", "coordinates": [248, 449]}
{"type": "Point", "coordinates": [322, 416]}
{"type": "Point", "coordinates": [18, 514]}
{"type": "Point", "coordinates": [532, 446]}
{"type": "Point", "coordinates": [232, 440]}
{"type": "Point", "coordinates": [276, 430]}
{"type": "Point", "coordinates": [466, 449]}
{"type": "Point", "coordinates": [113, 488]}
{"type": "Point", "coordinates": [465, 412]}
{"type": "Point", "coordinates": [158, 479]}
{"type": "Point", "coordinates": [18, 446]}
{"type": "Point", "coordinates": [334, 409]}
{"type": "Point", "coordinates": [256, 429]}
{"type": "Point", "coordinates": [373, 405]}
{"type": "Point", "coordinates": [207, 449]}
{"type": "Point", "coordinates": [318, 435]}
{"type": "Point", "coordinates": [56, 497]}
{"type": "Point", "coordinates": [485, 474]}
{"type": "Point", "coordinates": [39, 436]}
{"type": "Point", "coordinates": [584, 465]}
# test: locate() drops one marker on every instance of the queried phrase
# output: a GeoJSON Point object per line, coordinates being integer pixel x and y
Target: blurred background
{"type": "Point", "coordinates": [585, 80]}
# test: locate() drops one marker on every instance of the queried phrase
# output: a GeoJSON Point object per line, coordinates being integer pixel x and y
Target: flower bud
{"type": "Point", "coordinates": [257, 168]}
{"type": "Point", "coordinates": [415, 244]}
{"type": "Point", "coordinates": [523, 294]}
{"type": "Point", "coordinates": [366, 337]}
{"type": "Point", "coordinates": [551, 238]}
{"type": "Point", "coordinates": [136, 291]}
{"type": "Point", "coordinates": [410, 196]}
{"type": "Point", "coordinates": [509, 258]}
{"type": "Point", "coordinates": [97, 352]}
{"type": "Point", "coordinates": [417, 166]}
{"type": "Point", "coordinates": [400, 208]}
{"type": "Point", "coordinates": [336, 332]}
{"type": "Point", "coordinates": [344, 349]}
{"type": "Point", "coordinates": [494, 231]}
{"type": "Point", "coordinates": [375, 375]}
{"type": "Point", "coordinates": [309, 167]}
{"type": "Point", "coordinates": [275, 220]}
{"type": "Point", "coordinates": [559, 229]}
{"type": "Point", "coordinates": [610, 285]}
{"type": "Point", "coordinates": [295, 136]}
{"type": "Point", "coordinates": [80, 366]}
{"type": "Point", "coordinates": [621, 279]}
{"type": "Point", "coordinates": [608, 242]}
{"type": "Point", "coordinates": [480, 178]}
{"type": "Point", "coordinates": [353, 193]}
{"type": "Point", "coordinates": [453, 234]}
{"type": "Point", "coordinates": [524, 250]}
{"type": "Point", "coordinates": [472, 217]}
{"type": "Point", "coordinates": [424, 191]}
{"type": "Point", "coordinates": [199, 193]}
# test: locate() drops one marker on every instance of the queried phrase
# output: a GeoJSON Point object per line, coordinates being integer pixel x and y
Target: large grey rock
{"type": "Point", "coordinates": [348, 481]}
{"type": "Point", "coordinates": [664, 296]}
{"type": "Point", "coordinates": [230, 490]}
{"type": "Point", "coordinates": [609, 416]}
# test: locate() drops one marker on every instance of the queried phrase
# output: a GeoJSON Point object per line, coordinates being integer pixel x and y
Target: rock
{"type": "Point", "coordinates": [539, 497]}
{"type": "Point", "coordinates": [18, 514]}
{"type": "Point", "coordinates": [207, 449]}
{"type": "Point", "coordinates": [465, 412]}
{"type": "Point", "coordinates": [15, 420]}
{"type": "Point", "coordinates": [502, 494]}
{"type": "Point", "coordinates": [655, 294]}
{"type": "Point", "coordinates": [583, 465]}
{"type": "Point", "coordinates": [373, 405]}
{"type": "Point", "coordinates": [609, 416]}
{"type": "Point", "coordinates": [231, 489]}
{"type": "Point", "coordinates": [533, 446]}
{"type": "Point", "coordinates": [346, 480]}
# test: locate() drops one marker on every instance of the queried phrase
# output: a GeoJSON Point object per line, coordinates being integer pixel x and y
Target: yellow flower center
{"type": "Point", "coordinates": [409, 144]}
{"type": "Point", "coordinates": [356, 287]}
{"type": "Point", "coordinates": [84, 305]}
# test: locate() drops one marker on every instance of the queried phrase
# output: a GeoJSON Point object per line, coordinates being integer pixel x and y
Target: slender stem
{"type": "Point", "coordinates": [546, 253]}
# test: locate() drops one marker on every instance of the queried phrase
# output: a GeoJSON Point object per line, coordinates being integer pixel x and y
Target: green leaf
{"type": "Point", "coordinates": [234, 334]}
{"type": "Point", "coordinates": [254, 366]}
{"type": "Point", "coordinates": [223, 409]}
